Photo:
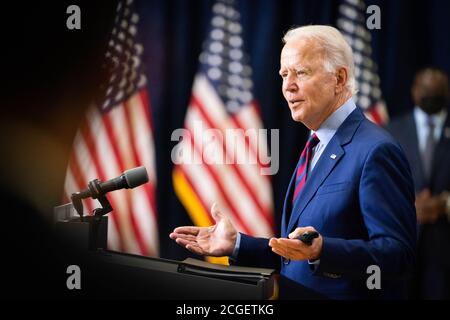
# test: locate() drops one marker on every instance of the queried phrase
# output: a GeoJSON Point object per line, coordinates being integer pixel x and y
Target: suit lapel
{"type": "Point", "coordinates": [332, 154]}
{"type": "Point", "coordinates": [442, 148]}
{"type": "Point", "coordinates": [321, 170]}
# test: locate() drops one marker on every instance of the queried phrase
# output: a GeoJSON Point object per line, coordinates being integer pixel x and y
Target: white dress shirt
{"type": "Point", "coordinates": [421, 120]}
{"type": "Point", "coordinates": [328, 128]}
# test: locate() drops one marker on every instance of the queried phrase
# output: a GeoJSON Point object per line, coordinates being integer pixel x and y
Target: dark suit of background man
{"type": "Point", "coordinates": [352, 184]}
{"type": "Point", "coordinates": [424, 134]}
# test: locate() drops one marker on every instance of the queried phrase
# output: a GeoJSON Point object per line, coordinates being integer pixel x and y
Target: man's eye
{"type": "Point", "coordinates": [283, 75]}
{"type": "Point", "coordinates": [300, 73]}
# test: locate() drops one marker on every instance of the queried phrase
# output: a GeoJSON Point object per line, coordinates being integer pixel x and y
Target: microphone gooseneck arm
{"type": "Point", "coordinates": [95, 191]}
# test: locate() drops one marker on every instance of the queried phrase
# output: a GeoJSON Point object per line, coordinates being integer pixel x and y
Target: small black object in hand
{"type": "Point", "coordinates": [308, 237]}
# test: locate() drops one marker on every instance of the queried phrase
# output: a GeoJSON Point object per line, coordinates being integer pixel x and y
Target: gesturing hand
{"type": "Point", "coordinates": [217, 240]}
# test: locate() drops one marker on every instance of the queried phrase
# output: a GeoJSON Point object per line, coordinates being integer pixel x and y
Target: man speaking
{"type": "Point", "coordinates": [352, 185]}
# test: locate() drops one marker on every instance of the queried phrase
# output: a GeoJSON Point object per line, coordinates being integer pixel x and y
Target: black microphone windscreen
{"type": "Point", "coordinates": [136, 176]}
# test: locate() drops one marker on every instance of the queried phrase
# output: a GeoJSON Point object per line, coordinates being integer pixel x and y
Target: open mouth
{"type": "Point", "coordinates": [295, 103]}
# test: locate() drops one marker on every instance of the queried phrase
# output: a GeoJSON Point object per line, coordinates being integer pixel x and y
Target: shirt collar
{"type": "Point", "coordinates": [329, 127]}
{"type": "Point", "coordinates": [422, 117]}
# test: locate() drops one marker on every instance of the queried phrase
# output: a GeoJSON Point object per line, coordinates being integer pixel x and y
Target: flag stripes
{"type": "Point", "coordinates": [113, 148]}
{"type": "Point", "coordinates": [351, 22]}
{"type": "Point", "coordinates": [221, 157]}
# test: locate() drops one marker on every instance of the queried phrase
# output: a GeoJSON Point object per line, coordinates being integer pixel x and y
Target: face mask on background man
{"type": "Point", "coordinates": [433, 104]}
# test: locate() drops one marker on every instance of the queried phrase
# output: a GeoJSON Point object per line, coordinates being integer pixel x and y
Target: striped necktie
{"type": "Point", "coordinates": [302, 169]}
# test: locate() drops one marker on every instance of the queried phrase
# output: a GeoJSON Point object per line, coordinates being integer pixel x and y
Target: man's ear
{"type": "Point", "coordinates": [341, 79]}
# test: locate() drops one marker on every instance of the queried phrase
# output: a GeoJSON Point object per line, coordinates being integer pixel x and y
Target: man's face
{"type": "Point", "coordinates": [430, 91]}
{"type": "Point", "coordinates": [307, 87]}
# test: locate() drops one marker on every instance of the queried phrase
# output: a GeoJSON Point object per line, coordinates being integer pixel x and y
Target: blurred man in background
{"type": "Point", "coordinates": [424, 134]}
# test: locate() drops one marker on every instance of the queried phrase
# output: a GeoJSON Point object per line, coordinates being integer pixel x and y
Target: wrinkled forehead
{"type": "Point", "coordinates": [303, 51]}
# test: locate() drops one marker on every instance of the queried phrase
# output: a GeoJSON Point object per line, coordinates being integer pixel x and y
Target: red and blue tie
{"type": "Point", "coordinates": [302, 170]}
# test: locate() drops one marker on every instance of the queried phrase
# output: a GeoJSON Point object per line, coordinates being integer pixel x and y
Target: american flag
{"type": "Point", "coordinates": [117, 135]}
{"type": "Point", "coordinates": [222, 99]}
{"type": "Point", "coordinates": [352, 24]}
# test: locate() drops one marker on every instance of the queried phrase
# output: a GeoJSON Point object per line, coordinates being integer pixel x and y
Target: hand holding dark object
{"type": "Point", "coordinates": [294, 248]}
{"type": "Point", "coordinates": [308, 237]}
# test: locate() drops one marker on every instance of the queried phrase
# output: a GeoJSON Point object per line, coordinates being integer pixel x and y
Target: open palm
{"type": "Point", "coordinates": [217, 240]}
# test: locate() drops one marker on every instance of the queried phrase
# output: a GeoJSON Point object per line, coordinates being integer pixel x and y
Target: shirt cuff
{"type": "Point", "coordinates": [235, 252]}
{"type": "Point", "coordinates": [314, 264]}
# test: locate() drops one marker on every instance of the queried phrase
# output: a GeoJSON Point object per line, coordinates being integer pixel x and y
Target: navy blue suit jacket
{"type": "Point", "coordinates": [362, 203]}
{"type": "Point", "coordinates": [433, 274]}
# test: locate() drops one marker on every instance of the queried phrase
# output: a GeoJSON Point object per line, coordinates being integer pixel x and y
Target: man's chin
{"type": "Point", "coordinates": [296, 116]}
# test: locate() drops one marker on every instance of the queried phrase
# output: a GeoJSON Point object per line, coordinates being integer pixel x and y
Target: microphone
{"type": "Point", "coordinates": [129, 179]}
{"type": "Point", "coordinates": [98, 190]}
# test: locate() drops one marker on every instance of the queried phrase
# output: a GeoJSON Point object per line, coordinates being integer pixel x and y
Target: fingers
{"type": "Point", "coordinates": [182, 242]}
{"type": "Point", "coordinates": [277, 248]}
{"type": "Point", "coordinates": [187, 230]}
{"type": "Point", "coordinates": [195, 249]}
{"type": "Point", "coordinates": [291, 244]}
{"type": "Point", "coordinates": [188, 241]}
{"type": "Point", "coordinates": [289, 248]}
{"type": "Point", "coordinates": [175, 236]}
{"type": "Point", "coordinates": [288, 244]}
{"type": "Point", "coordinates": [189, 245]}
{"type": "Point", "coordinates": [215, 212]}
{"type": "Point", "coordinates": [279, 252]}
{"type": "Point", "coordinates": [299, 231]}
{"type": "Point", "coordinates": [287, 252]}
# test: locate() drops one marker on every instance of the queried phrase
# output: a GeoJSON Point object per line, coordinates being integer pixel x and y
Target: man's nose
{"type": "Point", "coordinates": [289, 84]}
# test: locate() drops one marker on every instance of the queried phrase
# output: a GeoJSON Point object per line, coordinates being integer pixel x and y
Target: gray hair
{"type": "Point", "coordinates": [337, 51]}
